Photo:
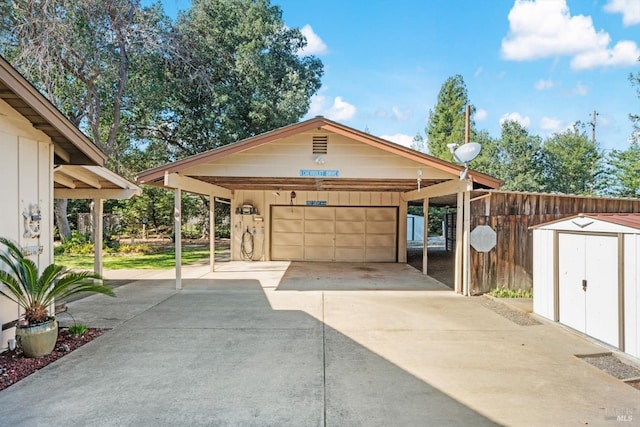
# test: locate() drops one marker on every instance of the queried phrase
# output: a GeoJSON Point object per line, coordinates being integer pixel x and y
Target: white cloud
{"type": "Point", "coordinates": [341, 110]}
{"type": "Point", "coordinates": [623, 53]}
{"type": "Point", "coordinates": [580, 89]}
{"type": "Point", "coordinates": [315, 45]}
{"type": "Point", "coordinates": [478, 72]}
{"type": "Point", "coordinates": [399, 114]}
{"type": "Point", "coordinates": [544, 84]}
{"type": "Point", "coordinates": [481, 114]}
{"type": "Point", "coordinates": [630, 10]}
{"type": "Point", "coordinates": [542, 29]}
{"type": "Point", "coordinates": [317, 105]}
{"type": "Point", "coordinates": [399, 138]}
{"type": "Point", "coordinates": [551, 124]}
{"type": "Point", "coordinates": [516, 117]}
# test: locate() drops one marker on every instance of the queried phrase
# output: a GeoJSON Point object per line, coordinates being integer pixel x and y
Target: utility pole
{"type": "Point", "coordinates": [593, 141]}
{"type": "Point", "coordinates": [593, 126]}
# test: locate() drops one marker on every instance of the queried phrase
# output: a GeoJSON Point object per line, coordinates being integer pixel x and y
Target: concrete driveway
{"type": "Point", "coordinates": [269, 344]}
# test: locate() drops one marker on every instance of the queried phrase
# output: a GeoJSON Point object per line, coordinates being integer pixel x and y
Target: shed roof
{"type": "Point", "coordinates": [631, 220]}
{"type": "Point", "coordinates": [156, 175]}
{"type": "Point", "coordinates": [71, 146]}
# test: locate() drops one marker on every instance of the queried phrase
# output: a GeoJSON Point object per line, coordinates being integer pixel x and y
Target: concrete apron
{"type": "Point", "coordinates": [265, 344]}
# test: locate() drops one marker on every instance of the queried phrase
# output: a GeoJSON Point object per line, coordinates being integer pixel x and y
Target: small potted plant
{"type": "Point", "coordinates": [37, 332]}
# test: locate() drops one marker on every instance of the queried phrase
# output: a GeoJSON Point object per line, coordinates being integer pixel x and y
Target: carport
{"type": "Point", "coordinates": [320, 191]}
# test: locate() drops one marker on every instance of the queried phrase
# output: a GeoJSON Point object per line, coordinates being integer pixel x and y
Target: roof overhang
{"type": "Point", "coordinates": [91, 182]}
{"type": "Point", "coordinates": [71, 146]}
{"type": "Point", "coordinates": [157, 176]}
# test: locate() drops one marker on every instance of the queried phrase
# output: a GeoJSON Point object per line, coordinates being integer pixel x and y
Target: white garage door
{"type": "Point", "coordinates": [327, 233]}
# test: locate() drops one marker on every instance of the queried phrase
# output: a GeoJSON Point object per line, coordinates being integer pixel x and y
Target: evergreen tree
{"type": "Point", "coordinates": [572, 163]}
{"type": "Point", "coordinates": [447, 119]}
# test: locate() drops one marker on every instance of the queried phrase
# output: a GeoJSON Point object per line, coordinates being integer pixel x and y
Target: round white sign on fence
{"type": "Point", "coordinates": [482, 238]}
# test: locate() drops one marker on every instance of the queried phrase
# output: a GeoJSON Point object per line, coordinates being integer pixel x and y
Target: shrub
{"type": "Point", "coordinates": [511, 293]}
{"type": "Point", "coordinates": [77, 330]}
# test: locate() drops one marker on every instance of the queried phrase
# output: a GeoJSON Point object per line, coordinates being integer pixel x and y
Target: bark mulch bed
{"type": "Point", "coordinates": [14, 366]}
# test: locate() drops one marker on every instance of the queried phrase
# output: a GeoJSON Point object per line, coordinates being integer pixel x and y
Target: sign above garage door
{"type": "Point", "coordinates": [351, 234]}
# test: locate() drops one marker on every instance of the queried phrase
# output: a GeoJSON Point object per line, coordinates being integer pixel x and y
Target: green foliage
{"type": "Point", "coordinates": [136, 248]}
{"type": "Point", "coordinates": [35, 292]}
{"type": "Point", "coordinates": [235, 73]}
{"type": "Point", "coordinates": [77, 330]}
{"type": "Point", "coordinates": [77, 244]}
{"type": "Point", "coordinates": [447, 120]}
{"type": "Point", "coordinates": [624, 172]}
{"type": "Point", "coordinates": [155, 260]}
{"type": "Point", "coordinates": [511, 293]}
{"type": "Point", "coordinates": [572, 163]}
{"type": "Point", "coordinates": [518, 159]}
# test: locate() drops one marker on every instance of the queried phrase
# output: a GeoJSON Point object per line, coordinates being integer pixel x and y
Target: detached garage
{"type": "Point", "coordinates": [586, 275]}
{"type": "Point", "coordinates": [321, 191]}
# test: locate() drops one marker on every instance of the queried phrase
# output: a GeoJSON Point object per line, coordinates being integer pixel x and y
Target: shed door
{"type": "Point", "coordinates": [593, 309]}
{"type": "Point", "coordinates": [327, 233]}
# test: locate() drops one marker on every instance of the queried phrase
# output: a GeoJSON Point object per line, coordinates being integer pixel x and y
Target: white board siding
{"type": "Point", "coordinates": [632, 294]}
{"type": "Point", "coordinates": [355, 234]}
{"type": "Point", "coordinates": [543, 274]}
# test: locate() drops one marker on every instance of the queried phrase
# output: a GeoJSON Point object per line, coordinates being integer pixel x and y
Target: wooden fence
{"type": "Point", "coordinates": [510, 214]}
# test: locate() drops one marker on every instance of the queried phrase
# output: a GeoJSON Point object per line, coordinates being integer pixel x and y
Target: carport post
{"type": "Point", "coordinates": [425, 210]}
{"type": "Point", "coordinates": [212, 232]}
{"type": "Point", "coordinates": [98, 225]}
{"type": "Point", "coordinates": [466, 250]}
{"type": "Point", "coordinates": [177, 233]}
{"type": "Point", "coordinates": [458, 262]}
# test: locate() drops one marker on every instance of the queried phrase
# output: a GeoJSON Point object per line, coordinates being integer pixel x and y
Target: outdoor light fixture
{"type": "Point", "coordinates": [464, 154]}
{"type": "Point", "coordinates": [419, 177]}
{"type": "Point", "coordinates": [319, 160]}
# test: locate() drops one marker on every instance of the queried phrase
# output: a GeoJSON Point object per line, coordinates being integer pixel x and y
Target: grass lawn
{"type": "Point", "coordinates": [159, 261]}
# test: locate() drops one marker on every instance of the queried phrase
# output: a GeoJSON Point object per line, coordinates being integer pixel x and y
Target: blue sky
{"type": "Point", "coordinates": [545, 63]}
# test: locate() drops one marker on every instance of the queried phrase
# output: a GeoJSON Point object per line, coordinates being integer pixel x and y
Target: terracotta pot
{"type": "Point", "coordinates": [37, 340]}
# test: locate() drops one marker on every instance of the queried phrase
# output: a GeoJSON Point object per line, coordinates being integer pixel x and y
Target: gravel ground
{"type": "Point", "coordinates": [14, 366]}
{"type": "Point", "coordinates": [515, 316]}
{"type": "Point", "coordinates": [612, 366]}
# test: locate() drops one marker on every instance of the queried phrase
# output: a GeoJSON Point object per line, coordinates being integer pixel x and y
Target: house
{"type": "Point", "coordinates": [320, 191]}
{"type": "Point", "coordinates": [43, 156]}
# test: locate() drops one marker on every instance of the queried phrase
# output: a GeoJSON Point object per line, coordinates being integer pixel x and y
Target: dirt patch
{"type": "Point", "coordinates": [14, 366]}
{"type": "Point", "coordinates": [612, 366]}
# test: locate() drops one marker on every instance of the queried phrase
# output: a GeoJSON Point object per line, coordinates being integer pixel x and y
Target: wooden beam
{"type": "Point", "coordinates": [81, 174]}
{"type": "Point", "coordinates": [62, 153]}
{"type": "Point", "coordinates": [466, 246]}
{"type": "Point", "coordinates": [458, 249]}
{"type": "Point", "coordinates": [174, 180]}
{"type": "Point", "coordinates": [98, 225]}
{"type": "Point", "coordinates": [89, 193]}
{"type": "Point", "coordinates": [177, 233]}
{"type": "Point", "coordinates": [442, 189]}
{"type": "Point", "coordinates": [63, 180]}
{"type": "Point", "coordinates": [425, 236]}
{"type": "Point", "coordinates": [212, 232]}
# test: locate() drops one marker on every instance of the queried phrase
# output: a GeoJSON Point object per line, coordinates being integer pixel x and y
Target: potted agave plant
{"type": "Point", "coordinates": [35, 293]}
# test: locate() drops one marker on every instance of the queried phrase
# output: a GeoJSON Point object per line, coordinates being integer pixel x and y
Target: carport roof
{"type": "Point", "coordinates": [156, 175]}
{"type": "Point", "coordinates": [90, 182]}
{"type": "Point", "coordinates": [71, 146]}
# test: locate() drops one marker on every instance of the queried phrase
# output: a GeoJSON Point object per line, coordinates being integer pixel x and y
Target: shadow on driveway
{"type": "Point", "coordinates": [216, 353]}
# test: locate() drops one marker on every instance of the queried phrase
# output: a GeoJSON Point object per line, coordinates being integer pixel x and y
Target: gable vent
{"type": "Point", "coordinates": [320, 144]}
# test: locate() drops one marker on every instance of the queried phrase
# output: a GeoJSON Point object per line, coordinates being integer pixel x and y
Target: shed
{"type": "Point", "coordinates": [586, 275]}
